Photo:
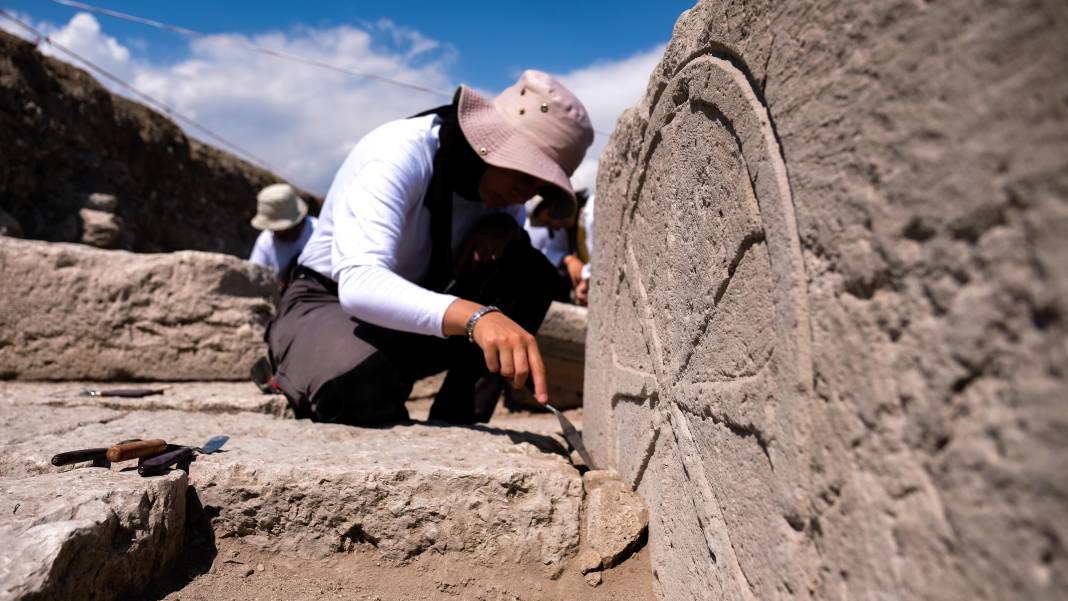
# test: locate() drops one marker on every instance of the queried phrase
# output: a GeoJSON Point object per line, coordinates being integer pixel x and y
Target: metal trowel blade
{"type": "Point", "coordinates": [572, 435]}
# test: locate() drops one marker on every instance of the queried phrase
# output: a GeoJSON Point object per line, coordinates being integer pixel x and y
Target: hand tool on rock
{"type": "Point", "coordinates": [178, 455]}
{"type": "Point", "coordinates": [128, 449]}
{"type": "Point", "coordinates": [572, 435]}
{"type": "Point", "coordinates": [129, 393]}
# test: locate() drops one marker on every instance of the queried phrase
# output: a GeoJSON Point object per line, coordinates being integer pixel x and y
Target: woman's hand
{"type": "Point", "coordinates": [574, 266]}
{"type": "Point", "coordinates": [509, 349]}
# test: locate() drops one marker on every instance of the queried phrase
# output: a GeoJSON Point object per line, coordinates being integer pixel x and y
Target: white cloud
{"type": "Point", "coordinates": [607, 88]}
{"type": "Point", "coordinates": [303, 120]}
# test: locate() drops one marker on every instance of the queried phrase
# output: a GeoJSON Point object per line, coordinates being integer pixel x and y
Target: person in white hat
{"type": "Point", "coordinates": [420, 264]}
{"type": "Point", "coordinates": [286, 227]}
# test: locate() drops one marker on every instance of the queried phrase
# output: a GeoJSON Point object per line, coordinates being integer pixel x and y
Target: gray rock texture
{"type": "Point", "coordinates": [72, 312]}
{"type": "Point", "coordinates": [827, 335]}
{"type": "Point", "coordinates": [88, 533]}
{"type": "Point", "coordinates": [615, 519]}
{"type": "Point", "coordinates": [65, 137]}
{"type": "Point", "coordinates": [497, 496]}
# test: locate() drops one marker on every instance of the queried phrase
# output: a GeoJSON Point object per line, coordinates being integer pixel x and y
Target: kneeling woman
{"type": "Point", "coordinates": [419, 263]}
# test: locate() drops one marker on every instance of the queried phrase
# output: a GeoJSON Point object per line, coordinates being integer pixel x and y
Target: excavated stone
{"type": "Point", "coordinates": [68, 312]}
{"type": "Point", "coordinates": [493, 494]}
{"type": "Point", "coordinates": [197, 397]}
{"type": "Point", "coordinates": [616, 518]}
{"type": "Point", "coordinates": [828, 339]}
{"type": "Point", "coordinates": [88, 533]}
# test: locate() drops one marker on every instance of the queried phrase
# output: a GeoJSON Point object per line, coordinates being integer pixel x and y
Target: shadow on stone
{"type": "Point", "coordinates": [198, 550]}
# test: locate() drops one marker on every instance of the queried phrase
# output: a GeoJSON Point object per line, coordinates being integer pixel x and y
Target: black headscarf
{"type": "Point", "coordinates": [459, 169]}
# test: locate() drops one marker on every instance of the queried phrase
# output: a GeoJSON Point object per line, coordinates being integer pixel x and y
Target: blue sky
{"type": "Point", "coordinates": [302, 120]}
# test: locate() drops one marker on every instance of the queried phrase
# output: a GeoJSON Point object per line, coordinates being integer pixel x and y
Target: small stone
{"type": "Point", "coordinates": [616, 518]}
{"type": "Point", "coordinates": [248, 572]}
{"type": "Point", "coordinates": [98, 201]}
{"type": "Point", "coordinates": [588, 560]}
{"type": "Point", "coordinates": [593, 578]}
{"type": "Point", "coordinates": [260, 568]}
{"type": "Point", "coordinates": [100, 228]}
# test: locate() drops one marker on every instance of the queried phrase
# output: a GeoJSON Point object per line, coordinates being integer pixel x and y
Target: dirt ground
{"type": "Point", "coordinates": [241, 572]}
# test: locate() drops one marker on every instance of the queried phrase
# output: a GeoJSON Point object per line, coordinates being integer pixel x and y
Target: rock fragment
{"type": "Point", "coordinates": [616, 518]}
{"type": "Point", "coordinates": [88, 533]}
{"type": "Point", "coordinates": [101, 229]}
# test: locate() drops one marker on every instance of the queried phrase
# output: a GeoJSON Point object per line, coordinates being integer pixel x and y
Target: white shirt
{"type": "Point", "coordinates": [373, 236]}
{"type": "Point", "coordinates": [552, 243]}
{"type": "Point", "coordinates": [276, 254]}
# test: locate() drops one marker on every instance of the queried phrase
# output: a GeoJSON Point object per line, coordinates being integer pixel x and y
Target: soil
{"type": "Point", "coordinates": [241, 572]}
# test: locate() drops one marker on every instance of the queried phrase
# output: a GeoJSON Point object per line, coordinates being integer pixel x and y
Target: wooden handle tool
{"type": "Point", "coordinates": [136, 449]}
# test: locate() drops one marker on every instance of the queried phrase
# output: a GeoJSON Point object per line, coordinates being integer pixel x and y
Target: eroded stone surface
{"type": "Point", "coordinates": [69, 312]}
{"type": "Point", "coordinates": [616, 518]}
{"type": "Point", "coordinates": [88, 533]}
{"type": "Point", "coordinates": [198, 397]}
{"type": "Point", "coordinates": [829, 290]}
{"type": "Point", "coordinates": [493, 494]}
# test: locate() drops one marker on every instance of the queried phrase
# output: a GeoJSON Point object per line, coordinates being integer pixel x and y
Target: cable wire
{"type": "Point", "coordinates": [253, 48]}
{"type": "Point", "coordinates": [247, 46]}
{"type": "Point", "coordinates": [160, 105]}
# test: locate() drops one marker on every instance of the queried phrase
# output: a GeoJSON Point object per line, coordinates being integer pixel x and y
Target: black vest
{"type": "Point", "coordinates": [457, 169]}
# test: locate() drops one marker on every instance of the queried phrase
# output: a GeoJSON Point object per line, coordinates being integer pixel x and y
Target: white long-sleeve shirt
{"type": "Point", "coordinates": [276, 254]}
{"type": "Point", "coordinates": [373, 235]}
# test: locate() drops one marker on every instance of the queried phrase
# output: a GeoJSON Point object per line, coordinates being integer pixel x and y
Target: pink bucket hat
{"type": "Point", "coordinates": [536, 126]}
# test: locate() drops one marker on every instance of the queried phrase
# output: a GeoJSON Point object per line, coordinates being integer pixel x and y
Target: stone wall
{"type": "Point", "coordinates": [66, 138]}
{"type": "Point", "coordinates": [827, 337]}
{"type": "Point", "coordinates": [72, 312]}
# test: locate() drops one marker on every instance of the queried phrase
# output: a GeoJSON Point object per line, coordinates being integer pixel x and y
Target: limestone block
{"type": "Point", "coordinates": [71, 312]}
{"type": "Point", "coordinates": [316, 489]}
{"type": "Point", "coordinates": [828, 337]}
{"type": "Point", "coordinates": [616, 518]}
{"type": "Point", "coordinates": [88, 533]}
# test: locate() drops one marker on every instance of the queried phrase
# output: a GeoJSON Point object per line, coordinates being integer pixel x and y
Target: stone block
{"type": "Point", "coordinates": [493, 494]}
{"type": "Point", "coordinates": [68, 312]}
{"type": "Point", "coordinates": [828, 339]}
{"type": "Point", "coordinates": [88, 533]}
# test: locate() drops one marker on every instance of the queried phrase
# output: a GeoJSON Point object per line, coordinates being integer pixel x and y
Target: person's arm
{"type": "Point", "coordinates": [508, 349]}
{"type": "Point", "coordinates": [260, 254]}
{"type": "Point", "coordinates": [368, 225]}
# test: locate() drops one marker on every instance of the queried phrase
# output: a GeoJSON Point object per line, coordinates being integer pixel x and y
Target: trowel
{"type": "Point", "coordinates": [573, 437]}
{"type": "Point", "coordinates": [179, 455]}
